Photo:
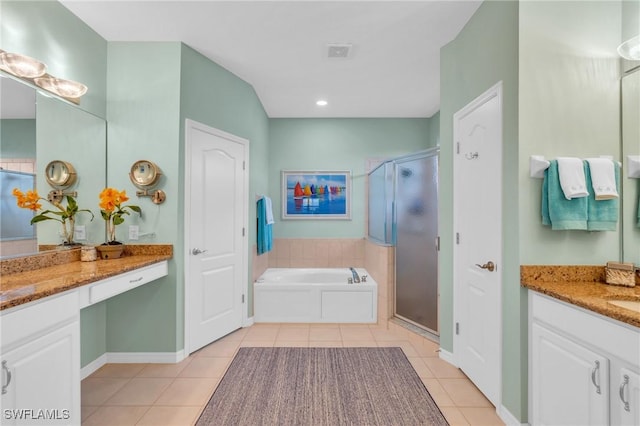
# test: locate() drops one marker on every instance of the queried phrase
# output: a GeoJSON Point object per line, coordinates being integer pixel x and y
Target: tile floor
{"type": "Point", "coordinates": [175, 394]}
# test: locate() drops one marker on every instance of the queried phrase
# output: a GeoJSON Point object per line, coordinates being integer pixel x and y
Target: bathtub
{"type": "Point", "coordinates": [314, 295]}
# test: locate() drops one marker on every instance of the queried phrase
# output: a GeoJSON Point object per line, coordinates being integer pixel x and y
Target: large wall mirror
{"type": "Point", "coordinates": [37, 128]}
{"type": "Point", "coordinates": [631, 146]}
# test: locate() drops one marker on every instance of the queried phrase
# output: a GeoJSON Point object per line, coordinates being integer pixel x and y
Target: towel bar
{"type": "Point", "coordinates": [538, 164]}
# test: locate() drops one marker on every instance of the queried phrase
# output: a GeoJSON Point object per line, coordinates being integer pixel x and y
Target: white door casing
{"type": "Point", "coordinates": [477, 221]}
{"type": "Point", "coordinates": [216, 217]}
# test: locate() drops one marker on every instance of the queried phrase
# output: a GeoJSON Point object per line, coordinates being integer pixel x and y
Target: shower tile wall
{"type": "Point", "coordinates": [379, 262]}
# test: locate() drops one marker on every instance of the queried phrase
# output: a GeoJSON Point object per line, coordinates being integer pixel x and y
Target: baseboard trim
{"type": "Point", "coordinates": [131, 358]}
{"type": "Point", "coordinates": [448, 356]}
{"type": "Point", "coordinates": [248, 322]}
{"type": "Point", "coordinates": [508, 418]}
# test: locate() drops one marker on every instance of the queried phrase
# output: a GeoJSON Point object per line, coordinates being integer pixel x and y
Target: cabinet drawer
{"type": "Point", "coordinates": [110, 287]}
{"type": "Point", "coordinates": [29, 320]}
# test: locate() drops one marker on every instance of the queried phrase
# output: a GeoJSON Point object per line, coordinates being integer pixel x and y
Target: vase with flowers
{"type": "Point", "coordinates": [113, 212]}
{"type": "Point", "coordinates": [66, 215]}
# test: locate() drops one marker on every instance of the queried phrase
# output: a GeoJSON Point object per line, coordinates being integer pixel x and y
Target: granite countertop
{"type": "Point", "coordinates": [26, 279]}
{"type": "Point", "coordinates": [582, 286]}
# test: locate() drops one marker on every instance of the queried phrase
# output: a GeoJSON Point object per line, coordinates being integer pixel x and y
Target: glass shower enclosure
{"type": "Point", "coordinates": [403, 211]}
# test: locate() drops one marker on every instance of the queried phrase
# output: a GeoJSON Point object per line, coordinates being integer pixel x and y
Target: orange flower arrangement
{"type": "Point", "coordinates": [65, 215]}
{"type": "Point", "coordinates": [112, 211]}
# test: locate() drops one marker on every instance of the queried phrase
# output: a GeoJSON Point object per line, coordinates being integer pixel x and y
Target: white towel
{"type": "Point", "coordinates": [269, 210]}
{"type": "Point", "coordinates": [603, 178]}
{"type": "Point", "coordinates": [572, 178]}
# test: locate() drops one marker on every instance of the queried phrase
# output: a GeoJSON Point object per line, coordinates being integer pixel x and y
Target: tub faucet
{"type": "Point", "coordinates": [356, 278]}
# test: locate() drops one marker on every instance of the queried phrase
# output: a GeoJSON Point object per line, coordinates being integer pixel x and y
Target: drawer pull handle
{"type": "Point", "coordinates": [595, 370]}
{"type": "Point", "coordinates": [136, 280]}
{"type": "Point", "coordinates": [8, 375]}
{"type": "Point", "coordinates": [624, 384]}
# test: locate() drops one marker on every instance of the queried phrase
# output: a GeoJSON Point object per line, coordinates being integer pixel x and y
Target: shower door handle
{"type": "Point", "coordinates": [490, 266]}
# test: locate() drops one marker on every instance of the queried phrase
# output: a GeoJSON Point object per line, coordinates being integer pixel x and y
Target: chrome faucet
{"type": "Point", "coordinates": [356, 277]}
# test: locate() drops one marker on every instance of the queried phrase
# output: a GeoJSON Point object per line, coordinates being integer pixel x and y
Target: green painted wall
{"type": "Point", "coordinates": [47, 31]}
{"type": "Point", "coordinates": [213, 96]}
{"type": "Point", "coordinates": [337, 144]}
{"type": "Point", "coordinates": [484, 53]}
{"type": "Point", "coordinates": [143, 112]}
{"type": "Point", "coordinates": [569, 89]}
{"type": "Point", "coordinates": [18, 138]}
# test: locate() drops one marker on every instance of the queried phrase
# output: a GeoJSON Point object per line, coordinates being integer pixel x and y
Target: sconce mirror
{"type": "Point", "coordinates": [145, 175]}
{"type": "Point", "coordinates": [60, 174]}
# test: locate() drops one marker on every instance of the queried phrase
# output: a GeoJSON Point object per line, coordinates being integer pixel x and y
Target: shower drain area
{"type": "Point", "coordinates": [415, 329]}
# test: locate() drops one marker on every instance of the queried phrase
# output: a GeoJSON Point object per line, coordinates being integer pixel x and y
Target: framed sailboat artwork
{"type": "Point", "coordinates": [316, 195]}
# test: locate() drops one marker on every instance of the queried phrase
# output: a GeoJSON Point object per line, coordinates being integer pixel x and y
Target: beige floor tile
{"type": "Point", "coordinates": [406, 347]}
{"type": "Point", "coordinates": [324, 325]}
{"type": "Point", "coordinates": [359, 343]}
{"type": "Point", "coordinates": [262, 333]}
{"type": "Point", "coordinates": [429, 348]}
{"type": "Point", "coordinates": [464, 393]}
{"type": "Point", "coordinates": [210, 367]}
{"type": "Point", "coordinates": [324, 333]}
{"type": "Point", "coordinates": [223, 348]}
{"type": "Point", "coordinates": [140, 391]}
{"type": "Point", "coordinates": [87, 410]}
{"type": "Point", "coordinates": [295, 325]}
{"type": "Point", "coordinates": [420, 367]}
{"type": "Point", "coordinates": [442, 369]}
{"type": "Point", "coordinates": [454, 416]}
{"type": "Point", "coordinates": [164, 370]}
{"type": "Point", "coordinates": [118, 370]}
{"type": "Point", "coordinates": [257, 343]}
{"type": "Point", "coordinates": [291, 344]}
{"type": "Point", "coordinates": [188, 392]}
{"type": "Point", "coordinates": [116, 416]}
{"type": "Point", "coordinates": [382, 335]}
{"type": "Point", "coordinates": [356, 333]}
{"type": "Point", "coordinates": [437, 392]}
{"type": "Point", "coordinates": [481, 416]}
{"type": "Point", "coordinates": [325, 344]}
{"type": "Point", "coordinates": [95, 391]}
{"type": "Point", "coordinates": [170, 416]}
{"type": "Point", "coordinates": [236, 335]}
{"type": "Point", "coordinates": [293, 333]}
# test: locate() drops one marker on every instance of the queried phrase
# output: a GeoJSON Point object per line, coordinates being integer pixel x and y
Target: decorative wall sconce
{"type": "Point", "coordinates": [35, 72]}
{"type": "Point", "coordinates": [630, 49]}
{"type": "Point", "coordinates": [145, 175]}
{"type": "Point", "coordinates": [60, 175]}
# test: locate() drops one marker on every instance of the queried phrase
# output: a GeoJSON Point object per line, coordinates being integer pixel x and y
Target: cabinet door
{"type": "Point", "coordinates": [625, 403]}
{"type": "Point", "coordinates": [570, 384]}
{"type": "Point", "coordinates": [45, 380]}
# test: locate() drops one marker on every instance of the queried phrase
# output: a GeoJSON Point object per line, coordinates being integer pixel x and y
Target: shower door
{"type": "Point", "coordinates": [416, 225]}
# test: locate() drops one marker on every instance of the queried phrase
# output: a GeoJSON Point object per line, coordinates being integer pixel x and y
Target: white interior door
{"type": "Point", "coordinates": [216, 188]}
{"type": "Point", "coordinates": [478, 241]}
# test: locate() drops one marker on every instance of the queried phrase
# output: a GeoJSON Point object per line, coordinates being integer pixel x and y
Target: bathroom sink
{"type": "Point", "coordinates": [632, 305]}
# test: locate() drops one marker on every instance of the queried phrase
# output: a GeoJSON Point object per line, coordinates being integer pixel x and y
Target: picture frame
{"type": "Point", "coordinates": [316, 194]}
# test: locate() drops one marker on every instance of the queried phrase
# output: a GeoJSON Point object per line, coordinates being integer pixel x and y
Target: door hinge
{"type": "Point", "coordinates": [438, 243]}
{"type": "Point", "coordinates": [457, 238]}
{"type": "Point", "coordinates": [457, 147]}
{"type": "Point", "coordinates": [457, 328]}
{"type": "Point", "coordinates": [244, 165]}
{"type": "Point", "coordinates": [243, 232]}
{"type": "Point", "coordinates": [243, 298]}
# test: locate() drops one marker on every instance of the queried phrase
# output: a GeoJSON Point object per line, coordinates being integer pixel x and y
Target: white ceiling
{"type": "Point", "coordinates": [280, 48]}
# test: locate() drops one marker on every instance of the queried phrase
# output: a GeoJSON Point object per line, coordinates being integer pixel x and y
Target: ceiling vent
{"type": "Point", "coordinates": [339, 50]}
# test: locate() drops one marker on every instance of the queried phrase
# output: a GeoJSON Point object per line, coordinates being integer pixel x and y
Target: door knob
{"type": "Point", "coordinates": [489, 265]}
{"type": "Point", "coordinates": [197, 251]}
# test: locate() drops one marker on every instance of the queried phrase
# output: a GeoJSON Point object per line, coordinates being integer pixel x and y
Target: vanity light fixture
{"type": "Point", "coordinates": [630, 49]}
{"type": "Point", "coordinates": [35, 72]}
{"type": "Point", "coordinates": [21, 65]}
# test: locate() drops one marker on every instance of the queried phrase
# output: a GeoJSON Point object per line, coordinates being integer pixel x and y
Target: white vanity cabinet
{"type": "Point", "coordinates": [40, 355]}
{"type": "Point", "coordinates": [584, 368]}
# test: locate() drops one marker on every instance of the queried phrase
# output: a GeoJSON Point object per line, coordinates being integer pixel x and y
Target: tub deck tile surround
{"type": "Point", "coordinates": [583, 286]}
{"type": "Point", "coordinates": [30, 278]}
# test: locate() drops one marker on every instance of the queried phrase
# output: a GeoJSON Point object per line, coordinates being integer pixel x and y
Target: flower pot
{"type": "Point", "coordinates": [110, 251]}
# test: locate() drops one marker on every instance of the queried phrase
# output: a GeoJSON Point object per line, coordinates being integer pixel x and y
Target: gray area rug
{"type": "Point", "coordinates": [321, 386]}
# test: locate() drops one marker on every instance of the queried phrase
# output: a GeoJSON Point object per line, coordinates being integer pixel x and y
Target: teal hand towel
{"type": "Point", "coordinates": [602, 214]}
{"type": "Point", "coordinates": [564, 214]}
{"type": "Point", "coordinates": [546, 220]}
{"type": "Point", "coordinates": [264, 230]}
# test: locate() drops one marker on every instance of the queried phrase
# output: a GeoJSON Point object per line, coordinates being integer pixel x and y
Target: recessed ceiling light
{"type": "Point", "coordinates": [321, 102]}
